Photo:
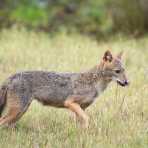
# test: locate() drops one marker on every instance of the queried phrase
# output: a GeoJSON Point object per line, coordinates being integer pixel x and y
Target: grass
{"type": "Point", "coordinates": [119, 117]}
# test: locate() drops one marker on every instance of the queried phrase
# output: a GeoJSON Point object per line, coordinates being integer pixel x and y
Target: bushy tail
{"type": "Point", "coordinates": [3, 93]}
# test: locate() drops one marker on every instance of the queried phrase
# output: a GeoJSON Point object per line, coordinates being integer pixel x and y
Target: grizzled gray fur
{"type": "Point", "coordinates": [51, 88]}
{"type": "Point", "coordinates": [75, 91]}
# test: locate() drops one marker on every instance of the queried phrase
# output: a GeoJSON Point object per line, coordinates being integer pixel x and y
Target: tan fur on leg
{"type": "Point", "coordinates": [79, 112]}
{"type": "Point", "coordinates": [10, 117]}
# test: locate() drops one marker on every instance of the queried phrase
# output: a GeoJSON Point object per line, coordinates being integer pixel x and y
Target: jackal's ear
{"type": "Point", "coordinates": [119, 56]}
{"type": "Point", "coordinates": [107, 56]}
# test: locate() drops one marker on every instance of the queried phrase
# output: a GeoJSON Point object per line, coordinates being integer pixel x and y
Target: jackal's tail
{"type": "Point", "coordinates": [3, 93]}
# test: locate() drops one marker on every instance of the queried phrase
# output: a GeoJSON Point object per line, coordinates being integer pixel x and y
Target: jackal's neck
{"type": "Point", "coordinates": [93, 75]}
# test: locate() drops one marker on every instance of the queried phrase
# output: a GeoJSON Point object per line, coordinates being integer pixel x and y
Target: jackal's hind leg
{"type": "Point", "coordinates": [10, 117]}
{"type": "Point", "coordinates": [15, 109]}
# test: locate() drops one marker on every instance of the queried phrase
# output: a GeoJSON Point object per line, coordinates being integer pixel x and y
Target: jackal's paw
{"type": "Point", "coordinates": [85, 123]}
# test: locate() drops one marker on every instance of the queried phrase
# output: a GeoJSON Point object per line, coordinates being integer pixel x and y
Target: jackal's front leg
{"type": "Point", "coordinates": [75, 107]}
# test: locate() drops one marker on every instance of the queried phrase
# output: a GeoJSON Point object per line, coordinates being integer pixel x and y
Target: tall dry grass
{"type": "Point", "coordinates": [119, 117]}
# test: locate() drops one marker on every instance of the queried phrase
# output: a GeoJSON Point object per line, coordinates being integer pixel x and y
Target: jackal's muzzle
{"type": "Point", "coordinates": [123, 83]}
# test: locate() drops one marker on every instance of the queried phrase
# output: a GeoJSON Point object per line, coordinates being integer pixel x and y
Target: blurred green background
{"type": "Point", "coordinates": [98, 18]}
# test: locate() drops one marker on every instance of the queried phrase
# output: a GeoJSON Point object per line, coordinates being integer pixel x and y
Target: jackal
{"type": "Point", "coordinates": [74, 91]}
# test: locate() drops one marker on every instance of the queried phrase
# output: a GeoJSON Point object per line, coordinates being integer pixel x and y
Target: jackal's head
{"type": "Point", "coordinates": [113, 68]}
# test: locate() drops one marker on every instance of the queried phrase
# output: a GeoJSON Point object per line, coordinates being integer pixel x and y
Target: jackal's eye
{"type": "Point", "coordinates": [118, 71]}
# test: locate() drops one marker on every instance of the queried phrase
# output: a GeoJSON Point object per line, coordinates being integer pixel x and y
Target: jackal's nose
{"type": "Point", "coordinates": [126, 82]}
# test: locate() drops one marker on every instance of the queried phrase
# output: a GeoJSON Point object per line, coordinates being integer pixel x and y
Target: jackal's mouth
{"type": "Point", "coordinates": [125, 83]}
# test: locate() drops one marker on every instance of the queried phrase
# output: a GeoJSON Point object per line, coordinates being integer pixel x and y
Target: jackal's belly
{"type": "Point", "coordinates": [52, 96]}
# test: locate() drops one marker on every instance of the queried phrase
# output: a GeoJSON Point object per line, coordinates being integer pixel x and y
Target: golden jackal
{"type": "Point", "coordinates": [75, 91]}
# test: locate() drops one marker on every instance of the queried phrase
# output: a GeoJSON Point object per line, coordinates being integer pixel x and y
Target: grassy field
{"type": "Point", "coordinates": [118, 118]}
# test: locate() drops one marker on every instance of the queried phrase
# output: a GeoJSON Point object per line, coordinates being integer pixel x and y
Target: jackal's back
{"type": "Point", "coordinates": [48, 87]}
